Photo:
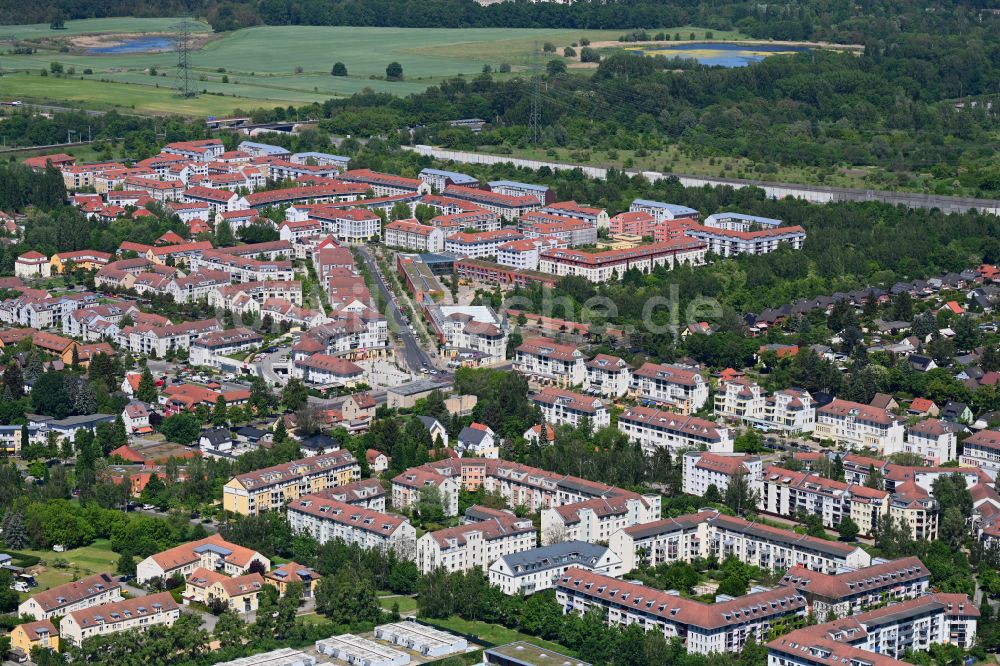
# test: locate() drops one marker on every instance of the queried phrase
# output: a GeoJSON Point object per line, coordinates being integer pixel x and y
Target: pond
{"type": "Point", "coordinates": [135, 45]}
{"type": "Point", "coordinates": [724, 55]}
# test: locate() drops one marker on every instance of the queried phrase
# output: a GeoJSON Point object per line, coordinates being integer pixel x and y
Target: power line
{"type": "Point", "coordinates": [536, 94]}
{"type": "Point", "coordinates": [183, 45]}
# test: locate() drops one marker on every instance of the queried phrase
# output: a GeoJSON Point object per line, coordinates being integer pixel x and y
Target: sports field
{"type": "Point", "coordinates": [261, 66]}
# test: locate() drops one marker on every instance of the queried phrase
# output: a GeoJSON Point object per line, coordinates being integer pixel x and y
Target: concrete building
{"type": "Point", "coordinates": [474, 545]}
{"type": "Point", "coordinates": [57, 601]}
{"type": "Point", "coordinates": [212, 553]}
{"type": "Point", "coordinates": [681, 387]}
{"type": "Point", "coordinates": [856, 426]}
{"type": "Point", "coordinates": [549, 362]}
{"type": "Point", "coordinates": [653, 429]}
{"type": "Point", "coordinates": [138, 613]}
{"type": "Point", "coordinates": [537, 569]}
{"type": "Point", "coordinates": [703, 469]}
{"type": "Point", "coordinates": [272, 487]}
{"type": "Point", "coordinates": [608, 376]}
{"type": "Point", "coordinates": [326, 519]}
{"type": "Point", "coordinates": [561, 407]}
{"type": "Point", "coordinates": [428, 641]}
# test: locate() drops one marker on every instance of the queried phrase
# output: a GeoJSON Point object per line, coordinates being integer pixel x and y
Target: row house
{"type": "Point", "coordinates": [207, 349]}
{"type": "Point", "coordinates": [654, 429]}
{"type": "Point", "coordinates": [190, 211]}
{"type": "Point", "coordinates": [384, 184]}
{"type": "Point", "coordinates": [608, 376]}
{"type": "Point", "coordinates": [571, 231]}
{"type": "Point", "coordinates": [724, 626]}
{"type": "Point", "coordinates": [366, 493]}
{"type": "Point", "coordinates": [474, 545]}
{"type": "Point", "coordinates": [704, 469]}
{"type": "Point", "coordinates": [857, 426]}
{"type": "Point", "coordinates": [599, 267]}
{"type": "Point", "coordinates": [244, 268]}
{"type": "Point", "coordinates": [561, 407]}
{"type": "Point", "coordinates": [884, 636]}
{"type": "Point", "coordinates": [663, 211]}
{"type": "Point", "coordinates": [545, 361]}
{"type": "Point", "coordinates": [595, 217]}
{"type": "Point", "coordinates": [57, 601]}
{"type": "Point", "coordinates": [272, 488]}
{"type": "Point", "coordinates": [158, 340]}
{"type": "Point", "coordinates": [137, 614]}
{"type": "Point", "coordinates": [594, 520]}
{"type": "Point", "coordinates": [479, 244]}
{"type": "Point", "coordinates": [523, 254]}
{"type": "Point", "coordinates": [732, 243]}
{"type": "Point", "coordinates": [791, 494]}
{"type": "Point", "coordinates": [412, 235]}
{"type": "Point", "coordinates": [681, 387]}
{"type": "Point", "coordinates": [710, 533]}
{"type": "Point", "coordinates": [326, 520]}
{"type": "Point", "coordinates": [198, 285]}
{"type": "Point", "coordinates": [505, 206]}
{"type": "Point", "coordinates": [847, 593]}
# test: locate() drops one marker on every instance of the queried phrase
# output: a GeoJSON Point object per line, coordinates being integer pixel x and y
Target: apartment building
{"type": "Point", "coordinates": [595, 520]}
{"type": "Point", "coordinates": [508, 207]}
{"type": "Point", "coordinates": [934, 440]}
{"type": "Point", "coordinates": [407, 486]}
{"type": "Point", "coordinates": [881, 637]}
{"type": "Point", "coordinates": [727, 243]}
{"type": "Point", "coordinates": [681, 387]}
{"type": "Point", "coordinates": [848, 593]}
{"type": "Point", "coordinates": [595, 217]}
{"type": "Point", "coordinates": [570, 231]}
{"type": "Point", "coordinates": [198, 285]}
{"type": "Point", "coordinates": [523, 254]}
{"type": "Point", "coordinates": [608, 376]}
{"type": "Point", "coordinates": [724, 626]}
{"type": "Point", "coordinates": [562, 407]}
{"type": "Point", "coordinates": [982, 450]}
{"type": "Point", "coordinates": [703, 469]}
{"type": "Point", "coordinates": [546, 361]}
{"type": "Point", "coordinates": [213, 553]}
{"type": "Point", "coordinates": [366, 493]}
{"type": "Point", "coordinates": [385, 184]}
{"type": "Point", "coordinates": [328, 192]}
{"type": "Point", "coordinates": [912, 505]}
{"type": "Point", "coordinates": [158, 340]}
{"type": "Point", "coordinates": [599, 267]}
{"type": "Point", "coordinates": [791, 494]}
{"type": "Point", "coordinates": [710, 533]}
{"type": "Point", "coordinates": [207, 349]}
{"type": "Point", "coordinates": [740, 222]}
{"type": "Point", "coordinates": [537, 569]}
{"type": "Point", "coordinates": [139, 613]}
{"type": "Point", "coordinates": [857, 426]}
{"type": "Point", "coordinates": [326, 370]}
{"type": "Point", "coordinates": [653, 429]}
{"type": "Point", "coordinates": [215, 199]}
{"type": "Point", "coordinates": [204, 150]}
{"type": "Point", "coordinates": [326, 520]}
{"type": "Point", "coordinates": [475, 545]}
{"type": "Point", "coordinates": [440, 179]}
{"type": "Point", "coordinates": [479, 244]}
{"type": "Point", "coordinates": [85, 593]}
{"type": "Point", "coordinates": [516, 189]}
{"type": "Point", "coordinates": [243, 268]}
{"type": "Point", "coordinates": [663, 211]}
{"type": "Point", "coordinates": [272, 487]}
{"type": "Point", "coordinates": [412, 235]}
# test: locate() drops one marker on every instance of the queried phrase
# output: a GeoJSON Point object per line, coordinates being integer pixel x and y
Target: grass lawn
{"type": "Point", "coordinates": [268, 65]}
{"type": "Point", "coordinates": [95, 558]}
{"type": "Point", "coordinates": [494, 633]}
{"type": "Point", "coordinates": [407, 604]}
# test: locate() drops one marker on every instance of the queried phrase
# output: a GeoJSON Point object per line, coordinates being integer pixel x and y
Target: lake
{"type": "Point", "coordinates": [723, 55]}
{"type": "Point", "coordinates": [135, 45]}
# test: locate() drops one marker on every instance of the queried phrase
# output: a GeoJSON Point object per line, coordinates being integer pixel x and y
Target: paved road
{"type": "Point", "coordinates": [412, 354]}
{"type": "Point", "coordinates": [813, 193]}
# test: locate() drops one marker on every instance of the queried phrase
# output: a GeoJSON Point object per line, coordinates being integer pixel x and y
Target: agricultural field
{"type": "Point", "coordinates": [261, 66]}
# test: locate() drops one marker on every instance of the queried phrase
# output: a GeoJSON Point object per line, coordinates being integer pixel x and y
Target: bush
{"type": "Point", "coordinates": [394, 72]}
{"type": "Point", "coordinates": [339, 69]}
{"type": "Point", "coordinates": [569, 52]}
{"type": "Point", "coordinates": [588, 54]}
{"type": "Point", "coordinates": [548, 47]}
{"type": "Point", "coordinates": [504, 68]}
{"type": "Point", "coordinates": [584, 41]}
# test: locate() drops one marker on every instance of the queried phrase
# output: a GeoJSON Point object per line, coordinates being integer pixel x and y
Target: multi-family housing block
{"type": "Point", "coordinates": [326, 519]}
{"type": "Point", "coordinates": [139, 613]}
{"type": "Point", "coordinates": [272, 487]}
{"type": "Point", "coordinates": [857, 426]}
{"type": "Point", "coordinates": [57, 601]}
{"type": "Point", "coordinates": [412, 235]}
{"type": "Point", "coordinates": [547, 361]}
{"type": "Point", "coordinates": [608, 376]}
{"type": "Point", "coordinates": [562, 407]}
{"type": "Point", "coordinates": [475, 545]}
{"type": "Point", "coordinates": [613, 264]}
{"type": "Point", "coordinates": [653, 429]}
{"type": "Point", "coordinates": [703, 469]}
{"type": "Point", "coordinates": [213, 553]}
{"type": "Point", "coordinates": [681, 387]}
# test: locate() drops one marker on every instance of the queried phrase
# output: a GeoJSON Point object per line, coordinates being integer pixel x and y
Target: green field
{"type": "Point", "coordinates": [262, 66]}
{"type": "Point", "coordinates": [95, 558]}
{"type": "Point", "coordinates": [496, 634]}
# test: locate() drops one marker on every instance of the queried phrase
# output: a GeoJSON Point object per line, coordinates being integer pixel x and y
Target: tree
{"type": "Point", "coordinates": [49, 395]}
{"type": "Point", "coordinates": [555, 67]}
{"type": "Point", "coordinates": [712, 494]}
{"type": "Point", "coordinates": [147, 386]}
{"type": "Point", "coordinates": [569, 52]}
{"type": "Point", "coordinates": [430, 504]}
{"type": "Point", "coordinates": [13, 379]}
{"type": "Point", "coordinates": [394, 71]}
{"type": "Point", "coordinates": [339, 69]}
{"type": "Point", "coordinates": [280, 432]}
{"type": "Point", "coordinates": [224, 235]}
{"type": "Point", "coordinates": [14, 535]}
{"type": "Point", "coordinates": [230, 629]}
{"type": "Point", "coordinates": [848, 529]}
{"type": "Point", "coordinates": [126, 564]}
{"type": "Point", "coordinates": [220, 413]}
{"type": "Point", "coordinates": [347, 597]}
{"type": "Point", "coordinates": [294, 395]}
{"type": "Point", "coordinates": [261, 398]}
{"type": "Point", "coordinates": [9, 598]}
{"type": "Point", "coordinates": [740, 497]}
{"type": "Point", "coordinates": [588, 54]}
{"type": "Point", "coordinates": [182, 428]}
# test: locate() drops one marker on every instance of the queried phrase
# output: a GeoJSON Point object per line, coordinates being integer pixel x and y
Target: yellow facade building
{"type": "Point", "coordinates": [273, 487]}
